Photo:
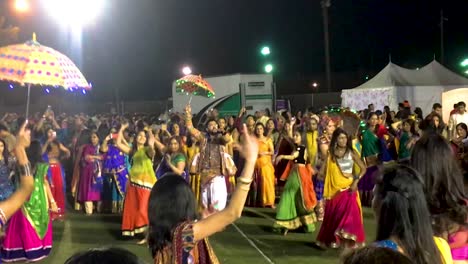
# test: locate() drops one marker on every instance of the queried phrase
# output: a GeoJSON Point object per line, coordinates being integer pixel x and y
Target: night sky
{"type": "Point", "coordinates": [140, 46]}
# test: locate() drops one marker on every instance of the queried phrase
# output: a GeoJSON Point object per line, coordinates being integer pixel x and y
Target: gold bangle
{"type": "Point", "coordinates": [244, 187]}
{"type": "Point", "coordinates": [244, 181]}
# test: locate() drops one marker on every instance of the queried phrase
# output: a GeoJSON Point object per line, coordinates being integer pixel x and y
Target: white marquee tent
{"type": "Point", "coordinates": [430, 84]}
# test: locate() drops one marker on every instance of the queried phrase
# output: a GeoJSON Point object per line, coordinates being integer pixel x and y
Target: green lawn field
{"type": "Point", "coordinates": [250, 239]}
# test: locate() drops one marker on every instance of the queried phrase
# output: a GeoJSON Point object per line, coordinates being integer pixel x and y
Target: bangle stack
{"type": "Point", "coordinates": [3, 218]}
{"type": "Point", "coordinates": [245, 184]}
{"type": "Point", "coordinates": [25, 170]}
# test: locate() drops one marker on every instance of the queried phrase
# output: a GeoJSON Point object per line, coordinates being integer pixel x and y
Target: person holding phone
{"type": "Point", "coordinates": [53, 151]}
{"type": "Point", "coordinates": [115, 175]}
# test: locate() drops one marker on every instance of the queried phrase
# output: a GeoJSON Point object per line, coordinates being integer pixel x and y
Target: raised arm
{"type": "Point", "coordinates": [9, 206]}
{"type": "Point", "coordinates": [188, 123]}
{"type": "Point", "coordinates": [218, 221]}
{"type": "Point", "coordinates": [65, 150]}
{"type": "Point", "coordinates": [151, 141]}
{"type": "Point", "coordinates": [119, 142]}
{"type": "Point", "coordinates": [178, 168]}
{"type": "Point", "coordinates": [104, 144]}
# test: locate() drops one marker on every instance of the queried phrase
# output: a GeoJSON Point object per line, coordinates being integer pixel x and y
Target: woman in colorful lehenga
{"type": "Point", "coordinates": [297, 202]}
{"type": "Point", "coordinates": [173, 161]}
{"type": "Point", "coordinates": [371, 149]}
{"type": "Point", "coordinates": [262, 191]}
{"type": "Point", "coordinates": [52, 150]}
{"type": "Point", "coordinates": [284, 146]}
{"type": "Point", "coordinates": [90, 183]}
{"type": "Point", "coordinates": [28, 236]}
{"type": "Point", "coordinates": [342, 224]}
{"type": "Point", "coordinates": [81, 141]}
{"type": "Point", "coordinates": [115, 176]}
{"type": "Point", "coordinates": [142, 179]}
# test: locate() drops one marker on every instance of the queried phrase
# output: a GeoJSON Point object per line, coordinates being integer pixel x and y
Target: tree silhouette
{"type": "Point", "coordinates": [8, 34]}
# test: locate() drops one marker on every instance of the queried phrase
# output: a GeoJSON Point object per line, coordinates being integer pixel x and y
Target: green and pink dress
{"type": "Point", "coordinates": [28, 236]}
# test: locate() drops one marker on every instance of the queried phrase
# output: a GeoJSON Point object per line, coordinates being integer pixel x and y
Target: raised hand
{"type": "Point", "coordinates": [188, 109]}
{"type": "Point", "coordinates": [23, 138]}
{"type": "Point", "coordinates": [249, 147]}
{"type": "Point", "coordinates": [151, 139]}
{"type": "Point", "coordinates": [124, 126]}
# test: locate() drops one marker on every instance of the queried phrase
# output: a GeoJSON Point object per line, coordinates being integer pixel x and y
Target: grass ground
{"type": "Point", "coordinates": [80, 232]}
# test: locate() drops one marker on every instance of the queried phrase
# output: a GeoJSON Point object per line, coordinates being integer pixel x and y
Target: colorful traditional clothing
{"type": "Point", "coordinates": [262, 190]}
{"type": "Point", "coordinates": [371, 149]}
{"type": "Point", "coordinates": [297, 202]}
{"type": "Point", "coordinates": [115, 179]}
{"type": "Point", "coordinates": [29, 232]}
{"type": "Point", "coordinates": [142, 179]}
{"type": "Point", "coordinates": [192, 152]}
{"type": "Point", "coordinates": [184, 250]}
{"type": "Point", "coordinates": [343, 213]}
{"type": "Point", "coordinates": [90, 184]}
{"type": "Point", "coordinates": [56, 177]}
{"type": "Point", "coordinates": [164, 168]}
{"type": "Point", "coordinates": [213, 164]}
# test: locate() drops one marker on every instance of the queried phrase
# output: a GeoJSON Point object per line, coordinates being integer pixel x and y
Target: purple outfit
{"type": "Point", "coordinates": [90, 185]}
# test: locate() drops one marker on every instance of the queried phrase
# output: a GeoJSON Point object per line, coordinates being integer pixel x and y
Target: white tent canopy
{"type": "Point", "coordinates": [422, 87]}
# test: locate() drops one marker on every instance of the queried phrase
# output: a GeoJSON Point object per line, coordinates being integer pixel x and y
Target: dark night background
{"type": "Point", "coordinates": [140, 46]}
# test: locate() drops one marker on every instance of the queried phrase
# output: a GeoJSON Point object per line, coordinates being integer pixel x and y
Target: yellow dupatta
{"type": "Point", "coordinates": [335, 181]}
{"type": "Point", "coordinates": [312, 146]}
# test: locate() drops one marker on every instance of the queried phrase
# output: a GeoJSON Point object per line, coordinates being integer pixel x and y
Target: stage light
{"type": "Point", "coordinates": [315, 84]}
{"type": "Point", "coordinates": [22, 5]}
{"type": "Point", "coordinates": [187, 70]}
{"type": "Point", "coordinates": [265, 51]}
{"type": "Point", "coordinates": [74, 12]}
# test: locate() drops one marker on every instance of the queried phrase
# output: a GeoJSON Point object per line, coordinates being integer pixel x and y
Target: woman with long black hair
{"type": "Point", "coordinates": [403, 220]}
{"type": "Point", "coordinates": [443, 186]}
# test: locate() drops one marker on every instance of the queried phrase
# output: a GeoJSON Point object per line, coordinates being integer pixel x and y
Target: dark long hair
{"type": "Point", "coordinates": [428, 125]}
{"type": "Point", "coordinates": [264, 129]}
{"type": "Point", "coordinates": [34, 152]}
{"type": "Point", "coordinates": [464, 127]}
{"type": "Point", "coordinates": [135, 141]}
{"type": "Point", "coordinates": [104, 256]}
{"type": "Point", "coordinates": [445, 196]}
{"type": "Point", "coordinates": [171, 203]}
{"type": "Point", "coordinates": [375, 255]}
{"type": "Point", "coordinates": [334, 142]}
{"type": "Point", "coordinates": [5, 152]}
{"type": "Point", "coordinates": [403, 214]}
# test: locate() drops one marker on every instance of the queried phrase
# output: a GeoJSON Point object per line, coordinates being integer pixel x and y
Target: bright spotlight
{"type": "Point", "coordinates": [22, 5]}
{"type": "Point", "coordinates": [464, 63]}
{"type": "Point", "coordinates": [265, 51]}
{"type": "Point", "coordinates": [186, 70]}
{"type": "Point", "coordinates": [315, 84]}
{"type": "Point", "coordinates": [74, 12]}
{"type": "Point", "coordinates": [268, 68]}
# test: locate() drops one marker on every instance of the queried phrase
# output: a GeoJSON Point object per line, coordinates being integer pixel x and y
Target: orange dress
{"type": "Point", "coordinates": [266, 172]}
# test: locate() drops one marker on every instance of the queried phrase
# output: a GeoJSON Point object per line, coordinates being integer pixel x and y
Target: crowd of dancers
{"type": "Point", "coordinates": [310, 168]}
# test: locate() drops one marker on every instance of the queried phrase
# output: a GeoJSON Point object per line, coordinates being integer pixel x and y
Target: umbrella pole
{"type": "Point", "coordinates": [27, 101]}
{"type": "Point", "coordinates": [190, 100]}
